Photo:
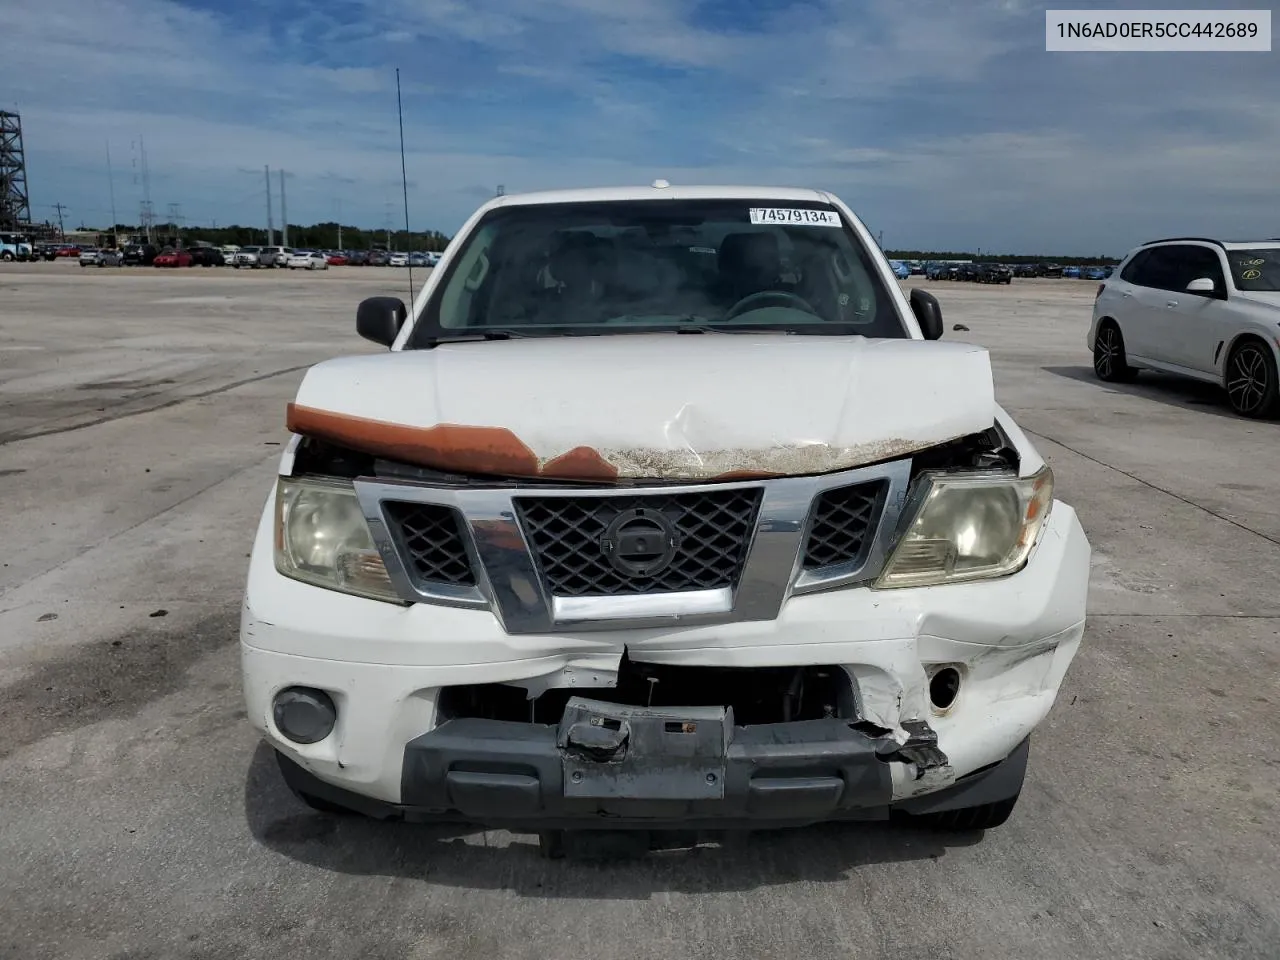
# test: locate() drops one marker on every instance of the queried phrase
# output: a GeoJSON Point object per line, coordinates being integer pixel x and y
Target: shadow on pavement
{"type": "Point", "coordinates": [471, 857]}
{"type": "Point", "coordinates": [1167, 388]}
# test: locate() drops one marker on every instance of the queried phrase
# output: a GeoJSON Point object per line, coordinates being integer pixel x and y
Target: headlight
{"type": "Point", "coordinates": [970, 528]}
{"type": "Point", "coordinates": [322, 539]}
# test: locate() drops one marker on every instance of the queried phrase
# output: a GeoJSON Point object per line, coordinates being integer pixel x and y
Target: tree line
{"type": "Point", "coordinates": [1008, 258]}
{"type": "Point", "coordinates": [321, 236]}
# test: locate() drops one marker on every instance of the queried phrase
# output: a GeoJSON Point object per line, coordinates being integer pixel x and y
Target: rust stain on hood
{"type": "Point", "coordinates": [498, 451]}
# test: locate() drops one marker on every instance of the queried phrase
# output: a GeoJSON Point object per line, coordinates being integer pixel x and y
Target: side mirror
{"type": "Point", "coordinates": [928, 313]}
{"type": "Point", "coordinates": [1202, 285]}
{"type": "Point", "coordinates": [380, 318]}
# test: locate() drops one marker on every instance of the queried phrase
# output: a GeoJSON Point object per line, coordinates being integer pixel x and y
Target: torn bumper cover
{"type": "Point", "coordinates": [614, 766]}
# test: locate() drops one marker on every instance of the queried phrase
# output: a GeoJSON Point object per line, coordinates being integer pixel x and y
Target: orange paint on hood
{"type": "Point", "coordinates": [580, 463]}
{"type": "Point", "coordinates": [446, 446]}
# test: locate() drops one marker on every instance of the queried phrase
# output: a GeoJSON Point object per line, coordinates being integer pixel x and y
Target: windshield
{"type": "Point", "coordinates": [629, 266]}
{"type": "Point", "coordinates": [1256, 270]}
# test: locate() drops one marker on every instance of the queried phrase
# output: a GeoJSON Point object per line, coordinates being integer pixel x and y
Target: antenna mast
{"type": "Point", "coordinates": [404, 180]}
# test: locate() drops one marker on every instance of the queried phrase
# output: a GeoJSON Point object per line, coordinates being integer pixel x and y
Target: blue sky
{"type": "Point", "coordinates": [945, 124]}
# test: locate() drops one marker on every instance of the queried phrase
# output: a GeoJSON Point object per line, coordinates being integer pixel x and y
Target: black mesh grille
{"type": "Point", "coordinates": [430, 537]}
{"type": "Point", "coordinates": [843, 524]}
{"type": "Point", "coordinates": [714, 533]}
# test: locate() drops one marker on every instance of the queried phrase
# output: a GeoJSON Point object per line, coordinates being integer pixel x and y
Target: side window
{"type": "Point", "coordinates": [1160, 269]}
{"type": "Point", "coordinates": [1175, 266]}
{"type": "Point", "coordinates": [1134, 270]}
{"type": "Point", "coordinates": [1200, 262]}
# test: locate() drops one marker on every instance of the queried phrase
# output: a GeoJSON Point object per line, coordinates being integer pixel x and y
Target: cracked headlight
{"type": "Point", "coordinates": [322, 539]}
{"type": "Point", "coordinates": [970, 527]}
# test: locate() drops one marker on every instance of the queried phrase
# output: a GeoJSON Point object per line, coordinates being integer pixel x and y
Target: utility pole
{"type": "Point", "coordinates": [337, 205]}
{"type": "Point", "coordinates": [501, 190]}
{"type": "Point", "coordinates": [146, 188]}
{"type": "Point", "coordinates": [284, 216]}
{"type": "Point", "coordinates": [111, 185]}
{"type": "Point", "coordinates": [62, 232]}
{"type": "Point", "coordinates": [271, 227]}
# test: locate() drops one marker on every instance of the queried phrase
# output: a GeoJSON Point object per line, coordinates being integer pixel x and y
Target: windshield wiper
{"type": "Point", "coordinates": [480, 335]}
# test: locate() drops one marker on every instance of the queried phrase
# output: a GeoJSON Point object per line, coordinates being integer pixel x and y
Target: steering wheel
{"type": "Point", "coordinates": [769, 298]}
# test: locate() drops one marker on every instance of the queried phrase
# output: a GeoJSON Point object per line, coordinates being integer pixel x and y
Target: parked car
{"type": "Point", "coordinates": [1093, 273]}
{"type": "Point", "coordinates": [335, 259]}
{"type": "Point", "coordinates": [413, 646]}
{"type": "Point", "coordinates": [15, 246]}
{"type": "Point", "coordinates": [993, 273]}
{"type": "Point", "coordinates": [307, 260]}
{"type": "Point", "coordinates": [169, 257]}
{"type": "Point", "coordinates": [966, 271]}
{"type": "Point", "coordinates": [88, 256]}
{"type": "Point", "coordinates": [398, 260]}
{"type": "Point", "coordinates": [1051, 270]}
{"type": "Point", "coordinates": [357, 258]}
{"type": "Point", "coordinates": [140, 254]}
{"type": "Point", "coordinates": [900, 269]}
{"type": "Point", "coordinates": [1198, 308]}
{"type": "Point", "coordinates": [111, 257]}
{"type": "Point", "coordinates": [937, 271]}
{"type": "Point", "coordinates": [273, 256]}
{"type": "Point", "coordinates": [379, 258]}
{"type": "Point", "coordinates": [68, 250]}
{"type": "Point", "coordinates": [206, 255]}
{"type": "Point", "coordinates": [1071, 273]}
{"type": "Point", "coordinates": [1027, 270]}
{"type": "Point", "coordinates": [229, 252]}
{"type": "Point", "coordinates": [246, 257]}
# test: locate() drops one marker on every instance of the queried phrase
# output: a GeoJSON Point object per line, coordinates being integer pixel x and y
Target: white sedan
{"type": "Point", "coordinates": [307, 260]}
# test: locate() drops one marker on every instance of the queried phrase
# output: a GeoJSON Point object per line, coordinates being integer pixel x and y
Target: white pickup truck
{"type": "Point", "coordinates": [664, 510]}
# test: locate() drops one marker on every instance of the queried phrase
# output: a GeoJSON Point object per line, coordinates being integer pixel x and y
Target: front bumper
{"type": "Point", "coordinates": [384, 665]}
{"type": "Point", "coordinates": [517, 776]}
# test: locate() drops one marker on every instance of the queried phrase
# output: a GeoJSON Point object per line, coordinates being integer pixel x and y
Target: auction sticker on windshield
{"type": "Point", "coordinates": [812, 218]}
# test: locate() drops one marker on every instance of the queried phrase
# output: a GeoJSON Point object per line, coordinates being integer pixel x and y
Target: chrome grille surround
{"type": "Point", "coordinates": [510, 582]}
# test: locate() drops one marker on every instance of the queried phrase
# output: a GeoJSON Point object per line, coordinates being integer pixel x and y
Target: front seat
{"type": "Point", "coordinates": [748, 263]}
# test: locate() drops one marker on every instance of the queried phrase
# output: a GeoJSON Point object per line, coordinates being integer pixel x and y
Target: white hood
{"type": "Point", "coordinates": [661, 406]}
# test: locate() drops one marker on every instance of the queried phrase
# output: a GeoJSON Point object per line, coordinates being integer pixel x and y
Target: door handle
{"type": "Point", "coordinates": [1171, 303]}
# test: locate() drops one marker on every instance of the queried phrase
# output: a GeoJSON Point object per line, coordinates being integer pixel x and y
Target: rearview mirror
{"type": "Point", "coordinates": [928, 313]}
{"type": "Point", "coordinates": [1202, 285]}
{"type": "Point", "coordinates": [380, 318]}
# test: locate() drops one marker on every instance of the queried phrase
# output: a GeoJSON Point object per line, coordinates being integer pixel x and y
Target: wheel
{"type": "Point", "coordinates": [1250, 380]}
{"type": "Point", "coordinates": [983, 817]}
{"type": "Point", "coordinates": [1109, 361]}
{"type": "Point", "coordinates": [7, 256]}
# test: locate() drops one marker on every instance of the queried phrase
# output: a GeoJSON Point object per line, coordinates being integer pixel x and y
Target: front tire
{"type": "Point", "coordinates": [1110, 362]}
{"type": "Point", "coordinates": [1251, 381]}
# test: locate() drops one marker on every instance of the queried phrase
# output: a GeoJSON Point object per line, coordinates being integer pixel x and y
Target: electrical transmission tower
{"type": "Point", "coordinates": [15, 205]}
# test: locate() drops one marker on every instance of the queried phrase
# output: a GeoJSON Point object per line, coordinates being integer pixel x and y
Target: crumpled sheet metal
{"type": "Point", "coordinates": [498, 451]}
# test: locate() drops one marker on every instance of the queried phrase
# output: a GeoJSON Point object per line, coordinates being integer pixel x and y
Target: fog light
{"type": "Point", "coordinates": [944, 688]}
{"type": "Point", "coordinates": [304, 715]}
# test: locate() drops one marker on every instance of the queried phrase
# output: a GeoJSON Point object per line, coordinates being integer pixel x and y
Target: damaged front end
{"type": "Point", "coordinates": [642, 654]}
